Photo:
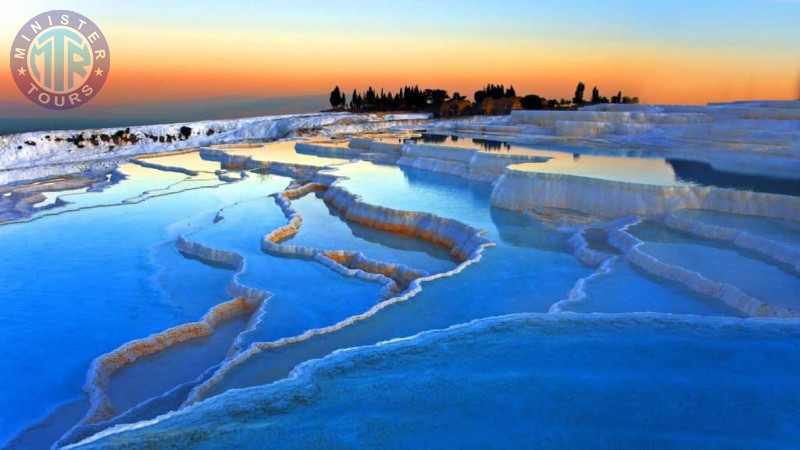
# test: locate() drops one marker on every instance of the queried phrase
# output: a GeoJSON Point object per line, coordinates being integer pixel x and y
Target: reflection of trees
{"type": "Point", "coordinates": [485, 144]}
{"type": "Point", "coordinates": [492, 145]}
{"type": "Point", "coordinates": [434, 138]}
{"type": "Point", "coordinates": [429, 139]}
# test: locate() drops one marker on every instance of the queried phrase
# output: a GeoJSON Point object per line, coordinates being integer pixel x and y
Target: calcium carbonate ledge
{"type": "Point", "coordinates": [332, 151]}
{"type": "Point", "coordinates": [199, 393]}
{"type": "Point", "coordinates": [355, 264]}
{"type": "Point", "coordinates": [103, 367]}
{"type": "Point", "coordinates": [189, 426]}
{"type": "Point", "coordinates": [602, 261]}
{"type": "Point", "coordinates": [375, 146]}
{"type": "Point", "coordinates": [19, 202]}
{"type": "Point", "coordinates": [461, 239]}
{"type": "Point", "coordinates": [272, 242]}
{"type": "Point", "coordinates": [465, 242]}
{"type": "Point", "coordinates": [548, 119]}
{"type": "Point", "coordinates": [58, 147]}
{"type": "Point", "coordinates": [165, 168]}
{"type": "Point", "coordinates": [768, 248]}
{"type": "Point", "coordinates": [246, 301]}
{"type": "Point", "coordinates": [241, 162]}
{"type": "Point", "coordinates": [162, 404]}
{"type": "Point", "coordinates": [584, 254]}
{"type": "Point", "coordinates": [351, 152]}
{"type": "Point", "coordinates": [394, 277]}
{"type": "Point", "coordinates": [225, 258]}
{"type": "Point", "coordinates": [578, 292]}
{"type": "Point", "coordinates": [727, 293]}
{"type": "Point", "coordinates": [520, 190]}
{"type": "Point", "coordinates": [462, 162]}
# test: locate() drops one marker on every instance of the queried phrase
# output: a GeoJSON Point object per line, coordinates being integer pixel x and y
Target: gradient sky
{"type": "Point", "coordinates": [692, 51]}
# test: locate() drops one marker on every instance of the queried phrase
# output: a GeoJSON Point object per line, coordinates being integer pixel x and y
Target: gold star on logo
{"type": "Point", "coordinates": [21, 71]}
{"type": "Point", "coordinates": [99, 72]}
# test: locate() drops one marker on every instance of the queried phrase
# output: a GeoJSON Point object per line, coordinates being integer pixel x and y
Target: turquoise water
{"type": "Point", "coordinates": [83, 278]}
{"type": "Point", "coordinates": [763, 281]}
{"type": "Point", "coordinates": [558, 381]}
{"type": "Point", "coordinates": [636, 169]}
{"type": "Point", "coordinates": [529, 270]}
{"type": "Point", "coordinates": [623, 290]}
{"type": "Point", "coordinates": [782, 231]}
{"type": "Point", "coordinates": [79, 284]}
{"type": "Point", "coordinates": [323, 227]}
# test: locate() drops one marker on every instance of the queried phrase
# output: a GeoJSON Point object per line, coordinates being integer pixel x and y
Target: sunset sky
{"type": "Point", "coordinates": [662, 51]}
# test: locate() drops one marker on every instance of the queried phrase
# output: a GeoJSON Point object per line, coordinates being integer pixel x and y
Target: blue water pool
{"type": "Point", "coordinates": [520, 339]}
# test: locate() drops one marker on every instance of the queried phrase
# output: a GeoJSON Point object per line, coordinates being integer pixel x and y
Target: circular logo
{"type": "Point", "coordinates": [60, 59]}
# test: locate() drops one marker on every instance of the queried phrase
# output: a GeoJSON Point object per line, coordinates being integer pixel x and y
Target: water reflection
{"type": "Point", "coordinates": [704, 174]}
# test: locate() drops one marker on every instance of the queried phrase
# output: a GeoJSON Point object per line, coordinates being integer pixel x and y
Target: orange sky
{"type": "Point", "coordinates": [161, 62]}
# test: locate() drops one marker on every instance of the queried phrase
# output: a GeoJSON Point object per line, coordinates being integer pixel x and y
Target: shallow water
{"type": "Point", "coordinates": [625, 290]}
{"type": "Point", "coordinates": [282, 151]}
{"type": "Point", "coordinates": [307, 295]}
{"type": "Point", "coordinates": [125, 237]}
{"type": "Point", "coordinates": [529, 270]}
{"type": "Point", "coordinates": [782, 231]}
{"type": "Point", "coordinates": [618, 164]}
{"type": "Point", "coordinates": [763, 281]}
{"type": "Point", "coordinates": [189, 160]}
{"type": "Point", "coordinates": [180, 364]}
{"type": "Point", "coordinates": [111, 271]}
{"type": "Point", "coordinates": [527, 378]}
{"type": "Point", "coordinates": [323, 227]}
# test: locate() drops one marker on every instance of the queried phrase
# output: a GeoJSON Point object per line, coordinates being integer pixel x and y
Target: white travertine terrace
{"type": "Point", "coordinates": [765, 247]}
{"type": "Point", "coordinates": [239, 162]}
{"type": "Point", "coordinates": [519, 190]}
{"type": "Point", "coordinates": [583, 253]}
{"type": "Point", "coordinates": [401, 283]}
{"type": "Point", "coordinates": [327, 150]}
{"type": "Point", "coordinates": [462, 240]}
{"type": "Point", "coordinates": [578, 292]}
{"type": "Point", "coordinates": [52, 147]}
{"type": "Point", "coordinates": [165, 168]}
{"type": "Point", "coordinates": [727, 293]}
{"type": "Point", "coordinates": [394, 277]}
{"type": "Point", "coordinates": [371, 146]}
{"type": "Point", "coordinates": [103, 367]}
{"type": "Point", "coordinates": [756, 137]}
{"type": "Point", "coordinates": [18, 203]}
{"type": "Point", "coordinates": [246, 300]}
{"type": "Point", "coordinates": [551, 119]}
{"type": "Point", "coordinates": [463, 162]}
{"type": "Point", "coordinates": [307, 383]}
